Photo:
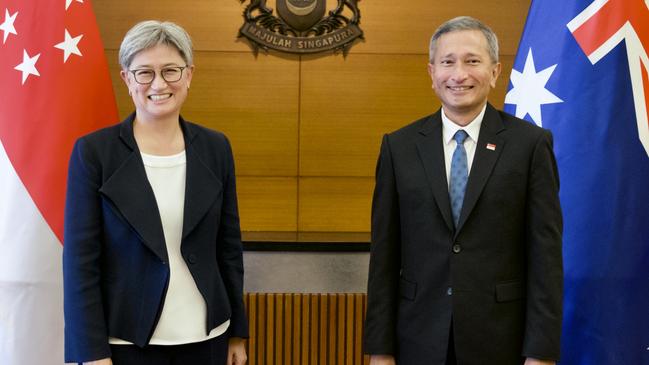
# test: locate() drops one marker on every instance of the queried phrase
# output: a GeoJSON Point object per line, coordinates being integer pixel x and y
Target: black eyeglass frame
{"type": "Point", "coordinates": [155, 74]}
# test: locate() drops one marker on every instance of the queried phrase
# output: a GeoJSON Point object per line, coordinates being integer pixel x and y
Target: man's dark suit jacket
{"type": "Point", "coordinates": [497, 278]}
{"type": "Point", "coordinates": [115, 261]}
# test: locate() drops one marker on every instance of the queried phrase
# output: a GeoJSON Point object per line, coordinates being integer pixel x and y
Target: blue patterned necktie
{"type": "Point", "coordinates": [459, 175]}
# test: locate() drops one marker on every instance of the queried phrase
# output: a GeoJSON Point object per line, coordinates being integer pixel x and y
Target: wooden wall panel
{"type": "Point", "coordinates": [212, 24]}
{"type": "Point", "coordinates": [267, 203]}
{"type": "Point", "coordinates": [335, 204]}
{"type": "Point", "coordinates": [497, 95]}
{"type": "Point", "coordinates": [348, 104]}
{"type": "Point", "coordinates": [389, 27]}
{"type": "Point", "coordinates": [255, 103]}
{"type": "Point", "coordinates": [227, 95]}
{"type": "Point", "coordinates": [324, 328]}
{"type": "Point", "coordinates": [405, 27]}
{"type": "Point", "coordinates": [306, 130]}
{"type": "Point", "coordinates": [341, 127]}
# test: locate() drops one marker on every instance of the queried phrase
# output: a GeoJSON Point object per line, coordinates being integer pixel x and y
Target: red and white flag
{"type": "Point", "coordinates": [54, 87]}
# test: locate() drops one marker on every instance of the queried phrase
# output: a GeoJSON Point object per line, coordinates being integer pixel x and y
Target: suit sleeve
{"type": "Point", "coordinates": [230, 250]}
{"type": "Point", "coordinates": [544, 227]}
{"type": "Point", "coordinates": [86, 334]}
{"type": "Point", "coordinates": [385, 260]}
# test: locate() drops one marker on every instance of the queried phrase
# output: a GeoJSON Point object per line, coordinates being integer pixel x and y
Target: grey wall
{"type": "Point", "coordinates": [305, 272]}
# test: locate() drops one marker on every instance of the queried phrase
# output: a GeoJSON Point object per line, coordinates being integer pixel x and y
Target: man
{"type": "Point", "coordinates": [466, 264]}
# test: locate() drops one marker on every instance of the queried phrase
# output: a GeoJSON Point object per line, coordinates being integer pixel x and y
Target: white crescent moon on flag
{"type": "Point", "coordinates": [301, 11]}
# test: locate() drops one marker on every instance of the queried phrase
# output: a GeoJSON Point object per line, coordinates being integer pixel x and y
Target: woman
{"type": "Point", "coordinates": [152, 261]}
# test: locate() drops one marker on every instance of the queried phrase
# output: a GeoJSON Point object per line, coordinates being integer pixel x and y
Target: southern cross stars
{"type": "Point", "coordinates": [8, 26]}
{"type": "Point", "coordinates": [529, 92]}
{"type": "Point", "coordinates": [28, 67]}
{"type": "Point", "coordinates": [69, 46]}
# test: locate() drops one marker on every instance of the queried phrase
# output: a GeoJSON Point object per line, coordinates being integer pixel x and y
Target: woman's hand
{"type": "Point", "coordinates": [236, 351]}
{"type": "Point", "coordinates": [382, 360]}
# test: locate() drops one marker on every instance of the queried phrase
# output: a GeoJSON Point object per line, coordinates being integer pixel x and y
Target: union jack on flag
{"type": "Point", "coordinates": [582, 72]}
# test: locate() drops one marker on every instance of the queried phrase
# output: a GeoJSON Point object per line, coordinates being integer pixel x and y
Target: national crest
{"type": "Point", "coordinates": [300, 26]}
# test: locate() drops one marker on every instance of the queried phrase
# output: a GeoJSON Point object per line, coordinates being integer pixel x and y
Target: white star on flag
{"type": "Point", "coordinates": [28, 67]}
{"type": "Point", "coordinates": [8, 26]}
{"type": "Point", "coordinates": [40, 121]}
{"type": "Point", "coordinates": [69, 46]}
{"type": "Point", "coordinates": [68, 2]}
{"type": "Point", "coordinates": [529, 92]}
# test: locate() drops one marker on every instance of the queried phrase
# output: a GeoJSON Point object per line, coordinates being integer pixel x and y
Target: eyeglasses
{"type": "Point", "coordinates": [145, 76]}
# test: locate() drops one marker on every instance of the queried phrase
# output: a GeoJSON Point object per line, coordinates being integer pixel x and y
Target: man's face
{"type": "Point", "coordinates": [463, 73]}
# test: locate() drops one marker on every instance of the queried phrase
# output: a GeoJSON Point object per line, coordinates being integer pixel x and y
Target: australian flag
{"type": "Point", "coordinates": [582, 72]}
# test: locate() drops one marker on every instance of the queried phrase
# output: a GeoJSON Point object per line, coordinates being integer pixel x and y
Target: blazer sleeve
{"type": "Point", "coordinates": [230, 249]}
{"type": "Point", "coordinates": [544, 227]}
{"type": "Point", "coordinates": [385, 260]}
{"type": "Point", "coordinates": [86, 334]}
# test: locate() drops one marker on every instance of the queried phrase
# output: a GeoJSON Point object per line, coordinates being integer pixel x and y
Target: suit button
{"type": "Point", "coordinates": [457, 248]}
{"type": "Point", "coordinates": [191, 258]}
{"type": "Point", "coordinates": [449, 291]}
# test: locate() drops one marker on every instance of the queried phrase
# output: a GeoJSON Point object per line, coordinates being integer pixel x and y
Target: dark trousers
{"type": "Point", "coordinates": [450, 353]}
{"type": "Point", "coordinates": [210, 352]}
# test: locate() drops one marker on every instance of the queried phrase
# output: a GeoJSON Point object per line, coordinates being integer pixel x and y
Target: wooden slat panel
{"type": "Point", "coordinates": [252, 327]}
{"type": "Point", "coordinates": [270, 325]}
{"type": "Point", "coordinates": [363, 298]}
{"type": "Point", "coordinates": [244, 98]}
{"type": "Point", "coordinates": [315, 326]}
{"type": "Point", "coordinates": [280, 332]}
{"type": "Point", "coordinates": [267, 203]}
{"type": "Point", "coordinates": [335, 204]}
{"type": "Point", "coordinates": [261, 329]}
{"type": "Point", "coordinates": [341, 335]}
{"type": "Point", "coordinates": [323, 343]}
{"type": "Point", "coordinates": [297, 329]}
{"type": "Point", "coordinates": [306, 329]}
{"type": "Point", "coordinates": [332, 329]}
{"type": "Point", "coordinates": [289, 336]}
{"type": "Point", "coordinates": [349, 330]}
{"type": "Point", "coordinates": [358, 328]}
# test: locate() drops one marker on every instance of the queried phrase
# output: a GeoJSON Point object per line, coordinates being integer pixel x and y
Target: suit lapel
{"type": "Point", "coordinates": [431, 153]}
{"type": "Point", "coordinates": [202, 187]}
{"type": "Point", "coordinates": [129, 190]}
{"type": "Point", "coordinates": [484, 161]}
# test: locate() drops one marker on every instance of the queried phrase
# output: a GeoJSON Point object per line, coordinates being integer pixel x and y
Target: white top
{"type": "Point", "coordinates": [184, 312]}
{"type": "Point", "coordinates": [448, 131]}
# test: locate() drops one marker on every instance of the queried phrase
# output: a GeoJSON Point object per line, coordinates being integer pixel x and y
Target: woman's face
{"type": "Point", "coordinates": [158, 99]}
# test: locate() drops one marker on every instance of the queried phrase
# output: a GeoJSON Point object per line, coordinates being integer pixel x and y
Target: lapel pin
{"type": "Point", "coordinates": [491, 146]}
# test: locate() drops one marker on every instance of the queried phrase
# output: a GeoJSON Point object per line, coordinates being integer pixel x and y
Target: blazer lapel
{"type": "Point", "coordinates": [431, 153]}
{"type": "Point", "coordinates": [484, 161]}
{"type": "Point", "coordinates": [129, 190]}
{"type": "Point", "coordinates": [202, 187]}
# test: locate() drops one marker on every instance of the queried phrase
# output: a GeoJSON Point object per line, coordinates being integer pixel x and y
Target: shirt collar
{"type": "Point", "coordinates": [472, 129]}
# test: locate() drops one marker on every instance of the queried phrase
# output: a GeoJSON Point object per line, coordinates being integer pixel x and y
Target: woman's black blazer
{"type": "Point", "coordinates": [115, 261]}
